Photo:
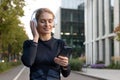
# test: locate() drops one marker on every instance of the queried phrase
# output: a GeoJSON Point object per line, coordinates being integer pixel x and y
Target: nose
{"type": "Point", "coordinates": [47, 23]}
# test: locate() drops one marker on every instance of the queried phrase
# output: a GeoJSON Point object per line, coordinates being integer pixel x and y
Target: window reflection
{"type": "Point", "coordinates": [112, 15]}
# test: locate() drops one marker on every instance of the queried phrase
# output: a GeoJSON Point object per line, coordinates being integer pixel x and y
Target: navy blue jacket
{"type": "Point", "coordinates": [40, 58]}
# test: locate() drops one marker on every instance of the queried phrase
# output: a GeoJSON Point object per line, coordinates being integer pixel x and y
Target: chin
{"type": "Point", "coordinates": [47, 32]}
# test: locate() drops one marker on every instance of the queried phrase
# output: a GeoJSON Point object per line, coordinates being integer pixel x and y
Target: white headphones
{"type": "Point", "coordinates": [35, 21]}
{"type": "Point", "coordinates": [33, 18]}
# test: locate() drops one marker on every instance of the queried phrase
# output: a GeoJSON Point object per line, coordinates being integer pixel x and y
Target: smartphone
{"type": "Point", "coordinates": [66, 51]}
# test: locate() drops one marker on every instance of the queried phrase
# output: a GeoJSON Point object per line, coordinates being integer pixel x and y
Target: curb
{"type": "Point", "coordinates": [84, 74]}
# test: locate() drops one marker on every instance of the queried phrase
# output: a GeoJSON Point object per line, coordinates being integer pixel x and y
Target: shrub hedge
{"type": "Point", "coordinates": [76, 64]}
{"type": "Point", "coordinates": [7, 65]}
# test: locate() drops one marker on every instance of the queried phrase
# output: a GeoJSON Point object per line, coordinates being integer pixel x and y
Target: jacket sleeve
{"type": "Point", "coordinates": [29, 53]}
{"type": "Point", "coordinates": [66, 72]}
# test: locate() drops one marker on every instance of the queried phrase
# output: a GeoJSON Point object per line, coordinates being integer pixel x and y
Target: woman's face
{"type": "Point", "coordinates": [45, 23]}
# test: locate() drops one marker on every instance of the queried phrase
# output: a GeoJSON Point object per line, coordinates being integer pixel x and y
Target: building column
{"type": "Point", "coordinates": [100, 21]}
{"type": "Point", "coordinates": [116, 22]}
{"type": "Point", "coordinates": [95, 24]}
{"type": "Point", "coordinates": [94, 52]}
{"type": "Point", "coordinates": [85, 30]}
{"type": "Point", "coordinates": [57, 29]}
{"type": "Point", "coordinates": [90, 21]}
{"type": "Point", "coordinates": [88, 30]}
{"type": "Point", "coordinates": [86, 55]}
{"type": "Point", "coordinates": [107, 52]}
{"type": "Point", "coordinates": [107, 30]}
{"type": "Point", "coordinates": [86, 20]}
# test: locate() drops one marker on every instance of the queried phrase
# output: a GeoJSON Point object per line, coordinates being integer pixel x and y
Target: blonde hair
{"type": "Point", "coordinates": [41, 11]}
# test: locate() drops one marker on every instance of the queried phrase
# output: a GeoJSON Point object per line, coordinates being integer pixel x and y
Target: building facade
{"type": "Point", "coordinates": [72, 22]}
{"type": "Point", "coordinates": [101, 17]}
{"type": "Point", "coordinates": [72, 26]}
{"type": "Point", "coordinates": [71, 4]}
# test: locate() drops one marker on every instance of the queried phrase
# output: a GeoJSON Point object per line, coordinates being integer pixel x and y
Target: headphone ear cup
{"type": "Point", "coordinates": [35, 22]}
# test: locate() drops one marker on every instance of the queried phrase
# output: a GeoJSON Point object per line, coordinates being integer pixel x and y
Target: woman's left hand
{"type": "Point", "coordinates": [61, 60]}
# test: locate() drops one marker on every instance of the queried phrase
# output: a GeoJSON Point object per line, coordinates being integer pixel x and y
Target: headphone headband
{"type": "Point", "coordinates": [33, 14]}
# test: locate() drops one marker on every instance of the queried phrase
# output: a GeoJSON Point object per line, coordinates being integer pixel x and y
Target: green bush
{"type": "Point", "coordinates": [76, 64]}
{"type": "Point", "coordinates": [117, 65]}
{"type": "Point", "coordinates": [7, 65]}
{"type": "Point", "coordinates": [3, 66]}
{"type": "Point", "coordinates": [111, 66]}
{"type": "Point", "coordinates": [114, 65]}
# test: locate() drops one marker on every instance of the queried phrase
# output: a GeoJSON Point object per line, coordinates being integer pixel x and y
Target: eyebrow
{"type": "Point", "coordinates": [45, 19]}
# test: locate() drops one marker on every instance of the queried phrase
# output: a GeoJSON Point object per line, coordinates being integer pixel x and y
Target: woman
{"type": "Point", "coordinates": [42, 53]}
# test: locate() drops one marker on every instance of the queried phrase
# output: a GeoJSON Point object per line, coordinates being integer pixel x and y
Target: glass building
{"type": "Point", "coordinates": [72, 26]}
{"type": "Point", "coordinates": [72, 22]}
{"type": "Point", "coordinates": [101, 17]}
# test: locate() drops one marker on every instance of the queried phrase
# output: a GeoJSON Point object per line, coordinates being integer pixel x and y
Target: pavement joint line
{"type": "Point", "coordinates": [15, 78]}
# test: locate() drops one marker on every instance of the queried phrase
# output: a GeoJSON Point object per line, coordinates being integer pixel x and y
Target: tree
{"type": "Point", "coordinates": [117, 32]}
{"type": "Point", "coordinates": [12, 33]}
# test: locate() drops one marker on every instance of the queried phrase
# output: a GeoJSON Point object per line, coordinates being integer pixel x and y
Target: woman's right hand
{"type": "Point", "coordinates": [34, 31]}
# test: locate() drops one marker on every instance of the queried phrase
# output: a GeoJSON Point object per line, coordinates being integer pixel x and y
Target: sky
{"type": "Point", "coordinates": [32, 5]}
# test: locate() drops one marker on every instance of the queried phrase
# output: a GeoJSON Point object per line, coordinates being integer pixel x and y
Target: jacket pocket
{"type": "Point", "coordinates": [53, 75]}
{"type": "Point", "coordinates": [38, 75]}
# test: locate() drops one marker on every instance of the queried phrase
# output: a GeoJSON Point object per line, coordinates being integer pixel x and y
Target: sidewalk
{"type": "Point", "coordinates": [102, 74]}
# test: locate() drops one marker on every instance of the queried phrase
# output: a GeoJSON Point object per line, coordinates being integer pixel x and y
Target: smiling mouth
{"type": "Point", "coordinates": [46, 29]}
